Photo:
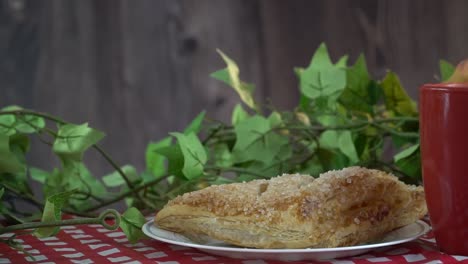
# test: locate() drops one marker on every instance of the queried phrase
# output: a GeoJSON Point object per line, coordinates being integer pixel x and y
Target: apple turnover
{"type": "Point", "coordinates": [340, 208]}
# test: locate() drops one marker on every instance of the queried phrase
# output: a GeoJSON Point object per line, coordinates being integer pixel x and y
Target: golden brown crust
{"type": "Point", "coordinates": [340, 208]}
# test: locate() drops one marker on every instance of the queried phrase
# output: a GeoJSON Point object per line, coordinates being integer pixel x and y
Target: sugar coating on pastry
{"type": "Point", "coordinates": [340, 208]}
{"type": "Point", "coordinates": [258, 197]}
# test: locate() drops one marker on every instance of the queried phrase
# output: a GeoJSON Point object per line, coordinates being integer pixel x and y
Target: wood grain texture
{"type": "Point", "coordinates": [18, 51]}
{"type": "Point", "coordinates": [408, 37]}
{"type": "Point", "coordinates": [140, 69]}
{"type": "Point", "coordinates": [134, 69]}
{"type": "Point", "coordinates": [292, 32]}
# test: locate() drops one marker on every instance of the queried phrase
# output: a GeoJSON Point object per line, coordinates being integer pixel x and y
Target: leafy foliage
{"type": "Point", "coordinates": [322, 80]}
{"type": "Point", "coordinates": [131, 223]}
{"type": "Point", "coordinates": [114, 179]}
{"type": "Point", "coordinates": [397, 101]}
{"type": "Point", "coordinates": [52, 212]}
{"type": "Point", "coordinates": [194, 154]}
{"type": "Point", "coordinates": [446, 69]}
{"type": "Point", "coordinates": [9, 162]}
{"type": "Point", "coordinates": [73, 140]}
{"type": "Point", "coordinates": [230, 75]}
{"type": "Point", "coordinates": [344, 118]}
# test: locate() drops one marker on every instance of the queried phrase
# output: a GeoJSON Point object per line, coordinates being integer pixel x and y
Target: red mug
{"type": "Point", "coordinates": [443, 113]}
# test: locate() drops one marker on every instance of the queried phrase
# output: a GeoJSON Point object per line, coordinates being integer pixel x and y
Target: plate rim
{"type": "Point", "coordinates": [425, 229]}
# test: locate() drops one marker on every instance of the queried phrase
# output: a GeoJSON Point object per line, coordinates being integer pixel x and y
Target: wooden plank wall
{"type": "Point", "coordinates": [139, 69]}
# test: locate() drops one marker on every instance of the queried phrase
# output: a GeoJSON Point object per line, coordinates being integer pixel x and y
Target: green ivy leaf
{"type": "Point", "coordinates": [406, 153]}
{"type": "Point", "coordinates": [375, 93]}
{"type": "Point", "coordinates": [396, 98]}
{"type": "Point", "coordinates": [305, 103]}
{"type": "Point", "coordinates": [360, 93]}
{"type": "Point", "coordinates": [266, 170]}
{"type": "Point", "coordinates": [2, 191]}
{"type": "Point", "coordinates": [131, 223]}
{"type": "Point", "coordinates": [7, 125]}
{"type": "Point", "coordinates": [195, 125]}
{"type": "Point", "coordinates": [73, 140]}
{"type": "Point", "coordinates": [39, 175]}
{"type": "Point", "coordinates": [194, 154]}
{"type": "Point", "coordinates": [174, 157]}
{"type": "Point", "coordinates": [346, 145]}
{"type": "Point", "coordinates": [29, 124]}
{"type": "Point", "coordinates": [238, 114]}
{"type": "Point", "coordinates": [333, 140]}
{"type": "Point", "coordinates": [321, 59]}
{"type": "Point", "coordinates": [255, 140]}
{"type": "Point", "coordinates": [74, 176]}
{"type": "Point", "coordinates": [322, 78]}
{"type": "Point", "coordinates": [277, 145]}
{"type": "Point", "coordinates": [8, 122]}
{"type": "Point", "coordinates": [222, 156]}
{"type": "Point", "coordinates": [147, 176]}
{"type": "Point", "coordinates": [20, 142]}
{"type": "Point", "coordinates": [446, 69]}
{"type": "Point", "coordinates": [410, 162]}
{"type": "Point", "coordinates": [342, 62]}
{"type": "Point", "coordinates": [275, 119]}
{"type": "Point", "coordinates": [402, 141]}
{"type": "Point", "coordinates": [12, 108]}
{"type": "Point", "coordinates": [52, 212]}
{"type": "Point", "coordinates": [259, 168]}
{"type": "Point", "coordinates": [154, 160]}
{"type": "Point", "coordinates": [114, 179]}
{"type": "Point", "coordinates": [366, 144]}
{"type": "Point", "coordinates": [322, 83]}
{"type": "Point", "coordinates": [55, 182]}
{"type": "Point", "coordinates": [230, 76]}
{"type": "Point", "coordinates": [330, 120]}
{"type": "Point", "coordinates": [329, 139]}
{"type": "Point", "coordinates": [312, 167]}
{"type": "Point", "coordinates": [250, 131]}
{"type": "Point", "coordinates": [331, 159]}
{"type": "Point", "coordinates": [9, 161]}
{"type": "Point", "coordinates": [298, 71]}
{"type": "Point", "coordinates": [84, 181]}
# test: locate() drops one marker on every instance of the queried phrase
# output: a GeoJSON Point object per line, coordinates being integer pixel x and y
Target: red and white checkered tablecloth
{"type": "Point", "coordinates": [95, 244]}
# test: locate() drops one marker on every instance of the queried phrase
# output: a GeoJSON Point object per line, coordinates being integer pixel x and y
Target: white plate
{"type": "Point", "coordinates": [398, 236]}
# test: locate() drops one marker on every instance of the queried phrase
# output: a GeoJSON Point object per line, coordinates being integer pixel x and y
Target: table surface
{"type": "Point", "coordinates": [95, 244]}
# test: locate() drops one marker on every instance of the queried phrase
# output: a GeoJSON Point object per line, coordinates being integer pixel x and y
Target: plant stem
{"type": "Point", "coordinates": [176, 190]}
{"type": "Point", "coordinates": [34, 113]}
{"type": "Point", "coordinates": [125, 194]}
{"type": "Point", "coordinates": [31, 225]}
{"type": "Point", "coordinates": [356, 124]}
{"type": "Point", "coordinates": [212, 133]}
{"type": "Point", "coordinates": [397, 133]}
{"type": "Point", "coordinates": [234, 169]}
{"type": "Point", "coordinates": [95, 146]}
{"type": "Point", "coordinates": [323, 128]}
{"type": "Point", "coordinates": [101, 219]}
{"type": "Point", "coordinates": [396, 119]}
{"type": "Point", "coordinates": [396, 170]}
{"type": "Point", "coordinates": [40, 205]}
{"type": "Point", "coordinates": [121, 173]}
{"type": "Point", "coordinates": [114, 165]}
{"type": "Point", "coordinates": [10, 214]}
{"type": "Point", "coordinates": [26, 196]}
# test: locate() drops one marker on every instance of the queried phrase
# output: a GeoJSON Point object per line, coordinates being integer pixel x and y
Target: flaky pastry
{"type": "Point", "coordinates": [340, 208]}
